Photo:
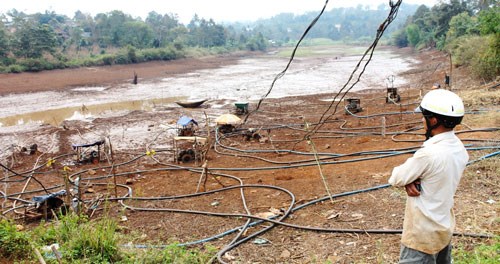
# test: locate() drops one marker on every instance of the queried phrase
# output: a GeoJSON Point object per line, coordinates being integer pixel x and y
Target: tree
{"type": "Point", "coordinates": [460, 25]}
{"type": "Point", "coordinates": [413, 33]}
{"type": "Point", "coordinates": [164, 27]}
{"type": "Point", "coordinates": [400, 38]}
{"type": "Point", "coordinates": [4, 42]}
{"type": "Point", "coordinates": [110, 28]}
{"type": "Point", "coordinates": [206, 33]}
{"type": "Point", "coordinates": [421, 18]}
{"type": "Point", "coordinates": [441, 15]}
{"type": "Point", "coordinates": [137, 34]}
{"type": "Point", "coordinates": [480, 5]}
{"type": "Point", "coordinates": [489, 21]}
{"type": "Point", "coordinates": [84, 33]}
{"type": "Point", "coordinates": [31, 40]}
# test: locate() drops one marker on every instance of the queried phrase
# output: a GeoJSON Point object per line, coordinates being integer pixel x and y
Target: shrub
{"type": "Point", "coordinates": [7, 61]}
{"type": "Point", "coordinates": [15, 68]}
{"type": "Point", "coordinates": [131, 54]}
{"type": "Point", "coordinates": [121, 58]}
{"type": "Point", "coordinates": [487, 63]}
{"type": "Point", "coordinates": [36, 65]}
{"type": "Point", "coordinates": [480, 53]}
{"type": "Point", "coordinates": [108, 59]}
{"type": "Point", "coordinates": [13, 243]}
{"type": "Point", "coordinates": [94, 241]}
{"type": "Point", "coordinates": [151, 54]}
{"type": "Point", "coordinates": [465, 49]}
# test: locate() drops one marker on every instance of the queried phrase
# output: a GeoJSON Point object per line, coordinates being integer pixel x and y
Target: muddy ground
{"type": "Point", "coordinates": [357, 154]}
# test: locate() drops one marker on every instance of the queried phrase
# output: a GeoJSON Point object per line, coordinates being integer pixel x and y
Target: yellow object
{"type": "Point", "coordinates": [227, 119]}
{"type": "Point", "coordinates": [50, 161]}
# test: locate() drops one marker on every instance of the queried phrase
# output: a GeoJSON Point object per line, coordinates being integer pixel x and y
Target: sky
{"type": "Point", "coordinates": [219, 10]}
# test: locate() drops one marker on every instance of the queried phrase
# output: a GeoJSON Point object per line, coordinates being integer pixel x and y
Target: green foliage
{"type": "Point", "coordinates": [31, 40]}
{"type": "Point", "coordinates": [81, 240]}
{"type": "Point", "coordinates": [462, 24]}
{"type": "Point", "coordinates": [400, 38]}
{"type": "Point", "coordinates": [482, 253]}
{"type": "Point", "coordinates": [36, 65]}
{"type": "Point", "coordinates": [442, 13]}
{"type": "Point", "coordinates": [122, 58]}
{"type": "Point", "coordinates": [131, 54]}
{"type": "Point", "coordinates": [15, 68]}
{"type": "Point", "coordinates": [13, 243]}
{"type": "Point", "coordinates": [480, 53]}
{"type": "Point", "coordinates": [428, 27]}
{"type": "Point", "coordinates": [487, 64]}
{"type": "Point", "coordinates": [84, 241]}
{"type": "Point", "coordinates": [108, 59]}
{"type": "Point", "coordinates": [489, 21]}
{"type": "Point", "coordinates": [257, 42]}
{"type": "Point", "coordinates": [137, 34]}
{"type": "Point", "coordinates": [95, 241]}
{"type": "Point", "coordinates": [175, 254]}
{"type": "Point", "coordinates": [464, 49]}
{"type": "Point", "coordinates": [4, 42]}
{"type": "Point", "coordinates": [413, 34]}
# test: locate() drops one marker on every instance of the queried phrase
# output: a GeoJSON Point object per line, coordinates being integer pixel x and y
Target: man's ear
{"type": "Point", "coordinates": [433, 121]}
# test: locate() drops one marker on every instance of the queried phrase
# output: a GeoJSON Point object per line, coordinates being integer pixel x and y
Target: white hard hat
{"type": "Point", "coordinates": [442, 102]}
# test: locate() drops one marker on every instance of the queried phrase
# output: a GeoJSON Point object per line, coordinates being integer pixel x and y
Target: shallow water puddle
{"type": "Point", "coordinates": [56, 116]}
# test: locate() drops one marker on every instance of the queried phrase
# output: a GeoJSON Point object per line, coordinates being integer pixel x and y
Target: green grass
{"type": "Point", "coordinates": [83, 241]}
{"type": "Point", "coordinates": [482, 253]}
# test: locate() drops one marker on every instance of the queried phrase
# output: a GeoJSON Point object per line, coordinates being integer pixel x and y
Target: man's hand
{"type": "Point", "coordinates": [412, 189]}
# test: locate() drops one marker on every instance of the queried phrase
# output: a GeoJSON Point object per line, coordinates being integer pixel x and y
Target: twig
{"type": "Point", "coordinates": [316, 158]}
{"type": "Point", "coordinates": [38, 255]}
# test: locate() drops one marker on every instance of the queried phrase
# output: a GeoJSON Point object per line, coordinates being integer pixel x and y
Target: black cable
{"type": "Point", "coordinates": [383, 26]}
{"type": "Point", "coordinates": [26, 177]}
{"type": "Point", "coordinates": [313, 22]}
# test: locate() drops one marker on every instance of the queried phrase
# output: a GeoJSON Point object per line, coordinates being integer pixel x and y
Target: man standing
{"type": "Point", "coordinates": [431, 178]}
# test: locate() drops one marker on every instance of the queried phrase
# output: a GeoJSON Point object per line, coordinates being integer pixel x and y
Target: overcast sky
{"type": "Point", "coordinates": [219, 10]}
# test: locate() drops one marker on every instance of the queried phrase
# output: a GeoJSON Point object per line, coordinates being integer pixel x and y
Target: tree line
{"type": "Point", "coordinates": [468, 30]}
{"type": "Point", "coordinates": [44, 41]}
{"type": "Point", "coordinates": [32, 42]}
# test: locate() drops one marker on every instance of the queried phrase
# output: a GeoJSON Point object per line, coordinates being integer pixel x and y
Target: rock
{"type": "Point", "coordinates": [264, 140]}
{"type": "Point", "coordinates": [285, 254]}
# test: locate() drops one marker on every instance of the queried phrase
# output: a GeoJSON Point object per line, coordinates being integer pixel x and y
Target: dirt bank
{"type": "Point", "coordinates": [98, 76]}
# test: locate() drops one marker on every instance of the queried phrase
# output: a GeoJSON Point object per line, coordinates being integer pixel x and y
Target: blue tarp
{"type": "Point", "coordinates": [184, 121]}
{"type": "Point", "coordinates": [42, 198]}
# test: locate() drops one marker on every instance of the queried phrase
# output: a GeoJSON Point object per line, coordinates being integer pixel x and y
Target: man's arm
{"type": "Point", "coordinates": [408, 172]}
